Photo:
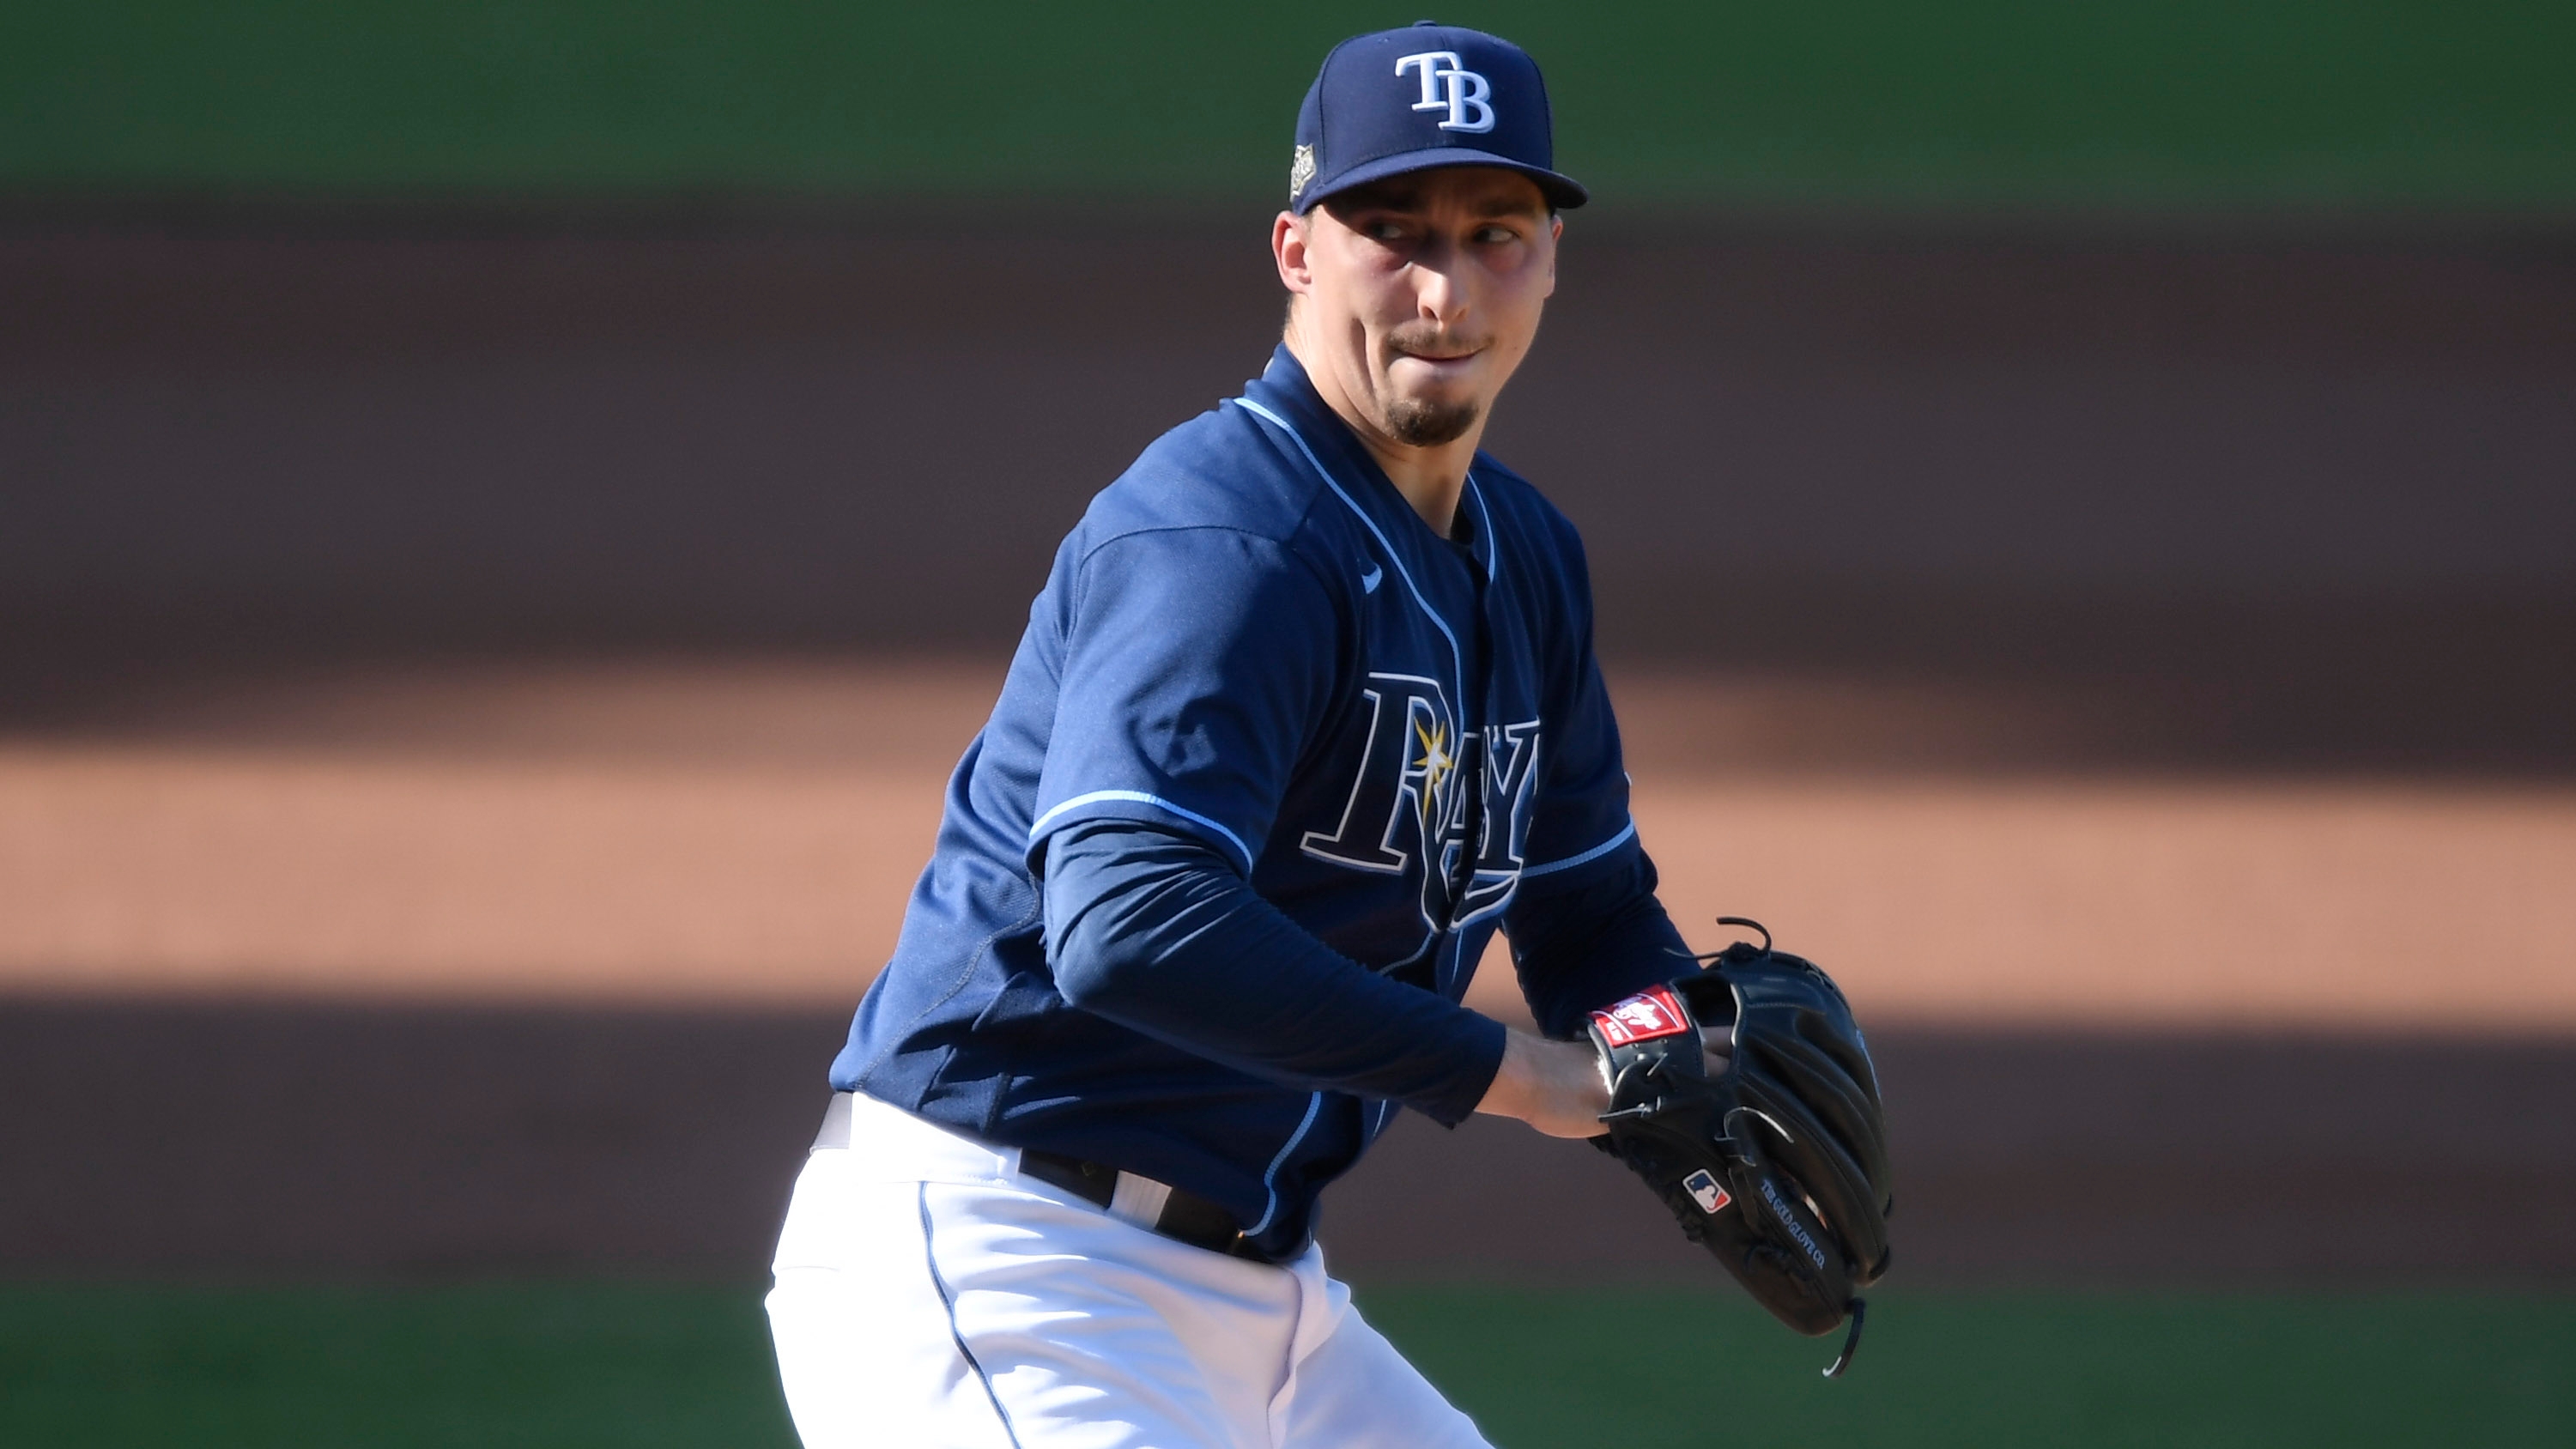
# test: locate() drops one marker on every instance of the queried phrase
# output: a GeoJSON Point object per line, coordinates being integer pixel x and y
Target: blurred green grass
{"type": "Point", "coordinates": [503, 1365]}
{"type": "Point", "coordinates": [1568, 1370]}
{"type": "Point", "coordinates": [578, 1364]}
{"type": "Point", "coordinates": [2125, 102]}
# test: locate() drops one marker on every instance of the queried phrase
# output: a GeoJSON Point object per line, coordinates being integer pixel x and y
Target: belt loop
{"type": "Point", "coordinates": [836, 1123]}
{"type": "Point", "coordinates": [1139, 1200]}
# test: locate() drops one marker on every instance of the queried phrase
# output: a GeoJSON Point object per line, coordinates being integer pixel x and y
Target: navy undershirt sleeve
{"type": "Point", "coordinates": [1156, 931]}
{"type": "Point", "coordinates": [1586, 942]}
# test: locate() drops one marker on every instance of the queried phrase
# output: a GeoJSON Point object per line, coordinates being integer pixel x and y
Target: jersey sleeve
{"type": "Point", "coordinates": [1579, 819]}
{"type": "Point", "coordinates": [1195, 663]}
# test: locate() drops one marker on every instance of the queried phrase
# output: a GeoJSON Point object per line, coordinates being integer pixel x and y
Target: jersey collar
{"type": "Point", "coordinates": [1284, 388]}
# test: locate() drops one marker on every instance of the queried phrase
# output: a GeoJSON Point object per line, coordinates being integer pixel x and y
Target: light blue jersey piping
{"type": "Point", "coordinates": [1457, 656]}
{"type": "Point", "coordinates": [1139, 797]}
{"type": "Point", "coordinates": [1270, 1177]}
{"type": "Point", "coordinates": [1595, 853]}
{"type": "Point", "coordinates": [1493, 555]}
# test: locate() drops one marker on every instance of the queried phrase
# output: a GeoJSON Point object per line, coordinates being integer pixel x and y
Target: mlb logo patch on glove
{"type": "Point", "coordinates": [1703, 1188]}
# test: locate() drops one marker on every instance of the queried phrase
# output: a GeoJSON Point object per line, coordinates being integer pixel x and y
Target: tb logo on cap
{"type": "Point", "coordinates": [1465, 95]}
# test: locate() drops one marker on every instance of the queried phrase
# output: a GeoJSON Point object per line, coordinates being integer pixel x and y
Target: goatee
{"type": "Point", "coordinates": [1429, 424]}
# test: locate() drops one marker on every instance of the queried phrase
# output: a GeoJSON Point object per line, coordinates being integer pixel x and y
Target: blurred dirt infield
{"type": "Point", "coordinates": [746, 832]}
{"type": "Point", "coordinates": [447, 970]}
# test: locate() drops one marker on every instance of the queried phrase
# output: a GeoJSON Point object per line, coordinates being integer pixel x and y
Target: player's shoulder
{"type": "Point", "coordinates": [1523, 513]}
{"type": "Point", "coordinates": [1218, 471]}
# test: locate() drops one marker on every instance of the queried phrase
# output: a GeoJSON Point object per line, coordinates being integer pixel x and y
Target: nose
{"type": "Point", "coordinates": [1439, 293]}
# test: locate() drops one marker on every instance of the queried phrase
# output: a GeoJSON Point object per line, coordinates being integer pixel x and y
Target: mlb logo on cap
{"type": "Point", "coordinates": [1427, 95]}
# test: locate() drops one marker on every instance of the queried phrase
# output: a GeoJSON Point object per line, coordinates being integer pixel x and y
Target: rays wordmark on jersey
{"type": "Point", "coordinates": [1456, 808]}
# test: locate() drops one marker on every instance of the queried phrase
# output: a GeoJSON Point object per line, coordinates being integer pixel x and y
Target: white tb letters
{"type": "Point", "coordinates": [1464, 94]}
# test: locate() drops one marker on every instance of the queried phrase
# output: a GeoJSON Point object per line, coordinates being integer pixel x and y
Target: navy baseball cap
{"type": "Point", "coordinates": [1427, 95]}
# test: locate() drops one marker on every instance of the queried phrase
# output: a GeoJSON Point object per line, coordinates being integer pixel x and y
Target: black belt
{"type": "Point", "coordinates": [1186, 1217]}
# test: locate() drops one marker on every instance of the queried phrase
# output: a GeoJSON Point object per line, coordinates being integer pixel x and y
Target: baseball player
{"type": "Point", "coordinates": [1306, 711]}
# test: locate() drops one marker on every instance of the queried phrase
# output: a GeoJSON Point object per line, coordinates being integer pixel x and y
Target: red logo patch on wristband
{"type": "Point", "coordinates": [1649, 1014]}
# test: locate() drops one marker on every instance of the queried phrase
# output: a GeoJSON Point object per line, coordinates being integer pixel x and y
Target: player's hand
{"type": "Point", "coordinates": [1556, 1086]}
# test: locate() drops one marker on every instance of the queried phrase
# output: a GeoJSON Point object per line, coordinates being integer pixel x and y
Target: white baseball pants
{"type": "Point", "coordinates": [929, 1297]}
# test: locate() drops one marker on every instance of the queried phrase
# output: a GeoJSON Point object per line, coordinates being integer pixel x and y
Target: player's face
{"type": "Point", "coordinates": [1422, 293]}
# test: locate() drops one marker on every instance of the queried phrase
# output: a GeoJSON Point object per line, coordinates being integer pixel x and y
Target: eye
{"type": "Point", "coordinates": [1385, 230]}
{"type": "Point", "coordinates": [1495, 234]}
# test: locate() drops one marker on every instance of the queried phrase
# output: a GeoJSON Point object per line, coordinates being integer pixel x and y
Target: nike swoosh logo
{"type": "Point", "coordinates": [1368, 581]}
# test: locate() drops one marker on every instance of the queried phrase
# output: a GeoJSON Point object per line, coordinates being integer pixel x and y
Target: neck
{"type": "Point", "coordinates": [1432, 479]}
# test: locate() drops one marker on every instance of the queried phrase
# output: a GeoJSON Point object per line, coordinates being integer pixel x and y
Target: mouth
{"type": "Point", "coordinates": [1441, 361]}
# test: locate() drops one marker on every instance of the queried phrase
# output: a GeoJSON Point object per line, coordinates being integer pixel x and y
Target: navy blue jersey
{"type": "Point", "coordinates": [1252, 642]}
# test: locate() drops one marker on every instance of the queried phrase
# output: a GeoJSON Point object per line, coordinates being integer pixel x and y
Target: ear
{"type": "Point", "coordinates": [1288, 249]}
{"type": "Point", "coordinates": [1555, 240]}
